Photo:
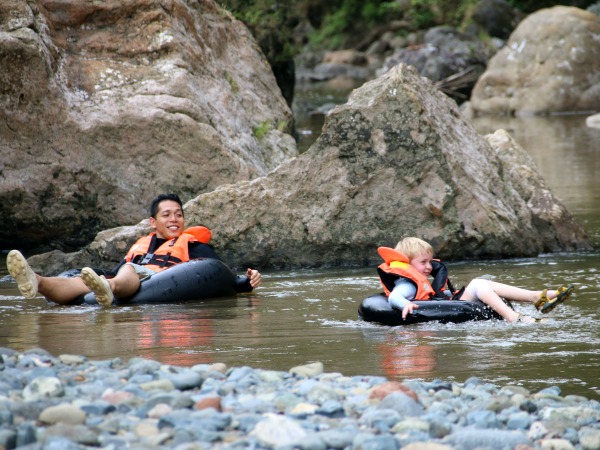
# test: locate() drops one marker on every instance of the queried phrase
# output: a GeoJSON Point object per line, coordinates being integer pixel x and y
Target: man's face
{"type": "Point", "coordinates": [169, 222]}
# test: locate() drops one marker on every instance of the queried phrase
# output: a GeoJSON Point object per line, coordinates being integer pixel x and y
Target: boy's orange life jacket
{"type": "Point", "coordinates": [172, 252]}
{"type": "Point", "coordinates": [397, 265]}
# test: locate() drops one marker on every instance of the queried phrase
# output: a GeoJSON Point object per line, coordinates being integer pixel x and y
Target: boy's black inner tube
{"type": "Point", "coordinates": [193, 280]}
{"type": "Point", "coordinates": [376, 308]}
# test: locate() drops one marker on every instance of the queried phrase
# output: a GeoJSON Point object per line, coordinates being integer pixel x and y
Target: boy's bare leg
{"type": "Point", "coordinates": [491, 293]}
{"type": "Point", "coordinates": [519, 294]}
{"type": "Point", "coordinates": [480, 289]}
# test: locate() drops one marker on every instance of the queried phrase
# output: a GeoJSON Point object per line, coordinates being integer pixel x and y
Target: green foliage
{"type": "Point", "coordinates": [271, 22]}
{"type": "Point", "coordinates": [529, 6]}
{"type": "Point", "coordinates": [283, 126]}
{"type": "Point", "coordinates": [229, 78]}
{"type": "Point", "coordinates": [345, 23]}
{"type": "Point", "coordinates": [429, 13]}
{"type": "Point", "coordinates": [261, 130]}
{"type": "Point", "coordinates": [422, 13]}
{"type": "Point", "coordinates": [350, 18]}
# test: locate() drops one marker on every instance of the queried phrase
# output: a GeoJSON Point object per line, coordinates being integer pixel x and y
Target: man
{"type": "Point", "coordinates": [164, 248]}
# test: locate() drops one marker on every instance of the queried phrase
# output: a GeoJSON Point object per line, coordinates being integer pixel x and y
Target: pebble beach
{"type": "Point", "coordinates": [71, 402]}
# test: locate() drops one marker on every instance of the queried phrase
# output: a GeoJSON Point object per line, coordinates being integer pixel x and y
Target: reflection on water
{"type": "Point", "coordinates": [305, 316]}
{"type": "Point", "coordinates": [567, 153]}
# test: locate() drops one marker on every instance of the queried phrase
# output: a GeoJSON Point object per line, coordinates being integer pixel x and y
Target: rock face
{"type": "Point", "coordinates": [551, 63]}
{"type": "Point", "coordinates": [452, 59]}
{"type": "Point", "coordinates": [105, 104]}
{"type": "Point", "coordinates": [496, 17]}
{"type": "Point", "coordinates": [397, 159]}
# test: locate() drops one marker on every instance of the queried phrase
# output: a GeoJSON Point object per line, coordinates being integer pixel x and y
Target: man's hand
{"type": "Point", "coordinates": [408, 309]}
{"type": "Point", "coordinates": [255, 278]}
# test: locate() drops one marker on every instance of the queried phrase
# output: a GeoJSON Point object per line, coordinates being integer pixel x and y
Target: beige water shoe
{"type": "Point", "coordinates": [98, 285]}
{"type": "Point", "coordinates": [25, 277]}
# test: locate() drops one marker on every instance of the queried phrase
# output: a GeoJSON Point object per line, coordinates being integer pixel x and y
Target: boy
{"type": "Point", "coordinates": [414, 264]}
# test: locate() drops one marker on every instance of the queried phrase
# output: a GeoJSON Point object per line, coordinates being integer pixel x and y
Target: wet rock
{"type": "Point", "coordinates": [64, 413]}
{"type": "Point", "coordinates": [452, 59]}
{"type": "Point", "coordinates": [589, 438]}
{"type": "Point", "coordinates": [308, 370]}
{"type": "Point", "coordinates": [556, 444]}
{"type": "Point", "coordinates": [384, 389]}
{"type": "Point", "coordinates": [274, 431]}
{"type": "Point", "coordinates": [496, 17]}
{"type": "Point", "coordinates": [395, 134]}
{"type": "Point", "coordinates": [254, 415]}
{"type": "Point", "coordinates": [550, 64]}
{"type": "Point", "coordinates": [43, 387]}
{"type": "Point", "coordinates": [593, 121]}
{"type": "Point", "coordinates": [491, 439]}
{"type": "Point", "coordinates": [333, 205]}
{"type": "Point", "coordinates": [101, 98]}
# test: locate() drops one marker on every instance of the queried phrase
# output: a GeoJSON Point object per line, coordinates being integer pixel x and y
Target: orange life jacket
{"type": "Point", "coordinates": [397, 265]}
{"type": "Point", "coordinates": [170, 253]}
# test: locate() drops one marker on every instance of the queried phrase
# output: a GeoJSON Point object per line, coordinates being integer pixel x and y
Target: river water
{"type": "Point", "coordinates": [298, 317]}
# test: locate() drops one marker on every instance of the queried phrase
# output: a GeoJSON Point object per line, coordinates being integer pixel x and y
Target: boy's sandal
{"type": "Point", "coordinates": [563, 294]}
{"type": "Point", "coordinates": [542, 301]}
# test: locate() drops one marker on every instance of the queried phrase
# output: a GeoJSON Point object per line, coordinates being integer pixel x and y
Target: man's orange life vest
{"type": "Point", "coordinates": [397, 265]}
{"type": "Point", "coordinates": [172, 252]}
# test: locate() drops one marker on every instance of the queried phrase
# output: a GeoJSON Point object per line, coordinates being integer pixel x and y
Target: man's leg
{"type": "Point", "coordinates": [56, 289]}
{"type": "Point", "coordinates": [123, 285]}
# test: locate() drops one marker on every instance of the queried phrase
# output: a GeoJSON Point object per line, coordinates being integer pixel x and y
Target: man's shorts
{"type": "Point", "coordinates": [142, 271]}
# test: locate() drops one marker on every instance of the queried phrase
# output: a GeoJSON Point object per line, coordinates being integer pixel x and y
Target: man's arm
{"type": "Point", "coordinates": [199, 250]}
{"type": "Point", "coordinates": [243, 283]}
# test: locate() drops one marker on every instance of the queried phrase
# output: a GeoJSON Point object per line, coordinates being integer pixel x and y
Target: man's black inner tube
{"type": "Point", "coordinates": [193, 280]}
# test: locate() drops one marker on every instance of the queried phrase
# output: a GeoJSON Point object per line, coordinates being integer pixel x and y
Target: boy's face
{"type": "Point", "coordinates": [422, 263]}
{"type": "Point", "coordinates": [169, 222]}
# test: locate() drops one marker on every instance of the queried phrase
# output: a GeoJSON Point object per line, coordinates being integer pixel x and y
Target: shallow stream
{"type": "Point", "coordinates": [303, 316]}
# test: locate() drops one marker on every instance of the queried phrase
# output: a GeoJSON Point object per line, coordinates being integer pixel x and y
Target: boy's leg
{"type": "Point", "coordinates": [544, 300]}
{"type": "Point", "coordinates": [518, 294]}
{"type": "Point", "coordinates": [480, 289]}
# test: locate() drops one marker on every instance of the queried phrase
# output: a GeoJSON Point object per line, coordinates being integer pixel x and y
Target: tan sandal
{"type": "Point", "coordinates": [562, 294]}
{"type": "Point", "coordinates": [543, 300]}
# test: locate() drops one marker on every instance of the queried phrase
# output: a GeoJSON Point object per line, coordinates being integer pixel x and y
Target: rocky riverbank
{"type": "Point", "coordinates": [70, 402]}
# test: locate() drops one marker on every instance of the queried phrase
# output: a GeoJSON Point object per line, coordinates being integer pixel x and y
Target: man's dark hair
{"type": "Point", "coordinates": [160, 198]}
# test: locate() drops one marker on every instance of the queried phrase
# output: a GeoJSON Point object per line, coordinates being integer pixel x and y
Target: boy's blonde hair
{"type": "Point", "coordinates": [412, 247]}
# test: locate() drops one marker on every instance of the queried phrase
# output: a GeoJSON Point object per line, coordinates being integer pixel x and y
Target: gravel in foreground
{"type": "Point", "coordinates": [70, 402]}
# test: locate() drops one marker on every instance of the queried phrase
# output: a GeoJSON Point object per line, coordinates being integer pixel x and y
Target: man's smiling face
{"type": "Point", "coordinates": [169, 221]}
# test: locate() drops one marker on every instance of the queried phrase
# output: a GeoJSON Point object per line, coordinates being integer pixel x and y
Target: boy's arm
{"type": "Point", "coordinates": [399, 297]}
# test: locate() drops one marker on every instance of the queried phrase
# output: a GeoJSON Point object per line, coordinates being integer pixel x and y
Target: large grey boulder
{"type": "Point", "coordinates": [550, 64]}
{"type": "Point", "coordinates": [105, 104]}
{"type": "Point", "coordinates": [397, 159]}
{"type": "Point", "coordinates": [452, 59]}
